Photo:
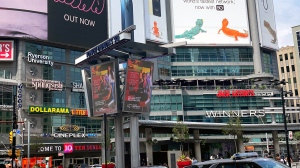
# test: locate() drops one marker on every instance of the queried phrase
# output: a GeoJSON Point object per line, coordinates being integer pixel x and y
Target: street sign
{"type": "Point", "coordinates": [18, 131]}
{"type": "Point", "coordinates": [6, 50]}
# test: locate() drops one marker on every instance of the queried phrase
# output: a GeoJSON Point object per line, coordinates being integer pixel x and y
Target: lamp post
{"type": "Point", "coordinates": [283, 82]}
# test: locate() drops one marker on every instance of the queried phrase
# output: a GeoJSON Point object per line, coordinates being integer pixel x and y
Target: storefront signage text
{"type": "Point", "coordinates": [69, 128]}
{"type": "Point", "coordinates": [242, 93]}
{"type": "Point", "coordinates": [69, 135]}
{"type": "Point", "coordinates": [51, 110]}
{"type": "Point", "coordinates": [39, 59]}
{"type": "Point", "coordinates": [79, 112]}
{"type": "Point", "coordinates": [77, 87]}
{"type": "Point", "coordinates": [99, 48]}
{"type": "Point", "coordinates": [235, 113]}
{"type": "Point", "coordinates": [70, 147]}
{"type": "Point", "coordinates": [6, 107]}
{"type": "Point", "coordinates": [49, 148]}
{"type": "Point", "coordinates": [47, 84]}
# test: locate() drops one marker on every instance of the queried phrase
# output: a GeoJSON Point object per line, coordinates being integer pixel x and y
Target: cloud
{"type": "Point", "coordinates": [286, 17]}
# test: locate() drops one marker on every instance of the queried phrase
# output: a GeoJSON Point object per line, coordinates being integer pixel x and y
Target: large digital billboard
{"type": "Point", "coordinates": [124, 13]}
{"type": "Point", "coordinates": [138, 86]}
{"type": "Point", "coordinates": [103, 89]}
{"type": "Point", "coordinates": [76, 22]}
{"type": "Point", "coordinates": [210, 22]}
{"type": "Point", "coordinates": [155, 20]}
{"type": "Point", "coordinates": [266, 24]}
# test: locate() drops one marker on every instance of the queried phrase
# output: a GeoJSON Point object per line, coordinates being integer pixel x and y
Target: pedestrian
{"type": "Point", "coordinates": [277, 158]}
{"type": "Point", "coordinates": [194, 160]}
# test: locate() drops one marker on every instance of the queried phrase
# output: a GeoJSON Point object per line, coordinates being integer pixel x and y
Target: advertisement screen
{"type": "Point", "coordinates": [138, 86]}
{"type": "Point", "coordinates": [124, 13]}
{"type": "Point", "coordinates": [103, 89]}
{"type": "Point", "coordinates": [210, 22]}
{"type": "Point", "coordinates": [155, 20]}
{"type": "Point", "coordinates": [79, 23]}
{"type": "Point", "coordinates": [266, 22]}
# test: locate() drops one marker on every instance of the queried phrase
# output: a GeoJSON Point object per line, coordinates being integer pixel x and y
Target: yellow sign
{"type": "Point", "coordinates": [51, 110]}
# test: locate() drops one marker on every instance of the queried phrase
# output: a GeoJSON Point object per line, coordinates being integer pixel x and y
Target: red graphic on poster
{"type": "Point", "coordinates": [103, 88]}
{"type": "Point", "coordinates": [138, 86]}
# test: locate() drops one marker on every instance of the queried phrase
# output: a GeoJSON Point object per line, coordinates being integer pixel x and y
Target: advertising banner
{"type": "Point", "coordinates": [266, 24]}
{"type": "Point", "coordinates": [155, 20]}
{"type": "Point", "coordinates": [138, 86]}
{"type": "Point", "coordinates": [103, 89]}
{"type": "Point", "coordinates": [79, 23]}
{"type": "Point", "coordinates": [210, 22]}
{"type": "Point", "coordinates": [6, 50]}
{"type": "Point", "coordinates": [124, 13]}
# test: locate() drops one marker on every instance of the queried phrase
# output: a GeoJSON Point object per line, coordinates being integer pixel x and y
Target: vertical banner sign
{"type": "Point", "coordinates": [19, 99]}
{"type": "Point", "coordinates": [138, 86]}
{"type": "Point", "coordinates": [103, 89]}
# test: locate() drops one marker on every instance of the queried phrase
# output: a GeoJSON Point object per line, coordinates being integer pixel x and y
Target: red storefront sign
{"type": "Point", "coordinates": [70, 147]}
{"type": "Point", "coordinates": [236, 93]}
{"type": "Point", "coordinates": [6, 50]}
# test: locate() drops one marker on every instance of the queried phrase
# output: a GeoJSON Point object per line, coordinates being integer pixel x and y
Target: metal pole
{"type": "Point", "coordinates": [105, 139]}
{"type": "Point", "coordinates": [267, 140]}
{"type": "Point", "coordinates": [14, 125]}
{"type": "Point", "coordinates": [28, 144]}
{"type": "Point", "coordinates": [285, 128]}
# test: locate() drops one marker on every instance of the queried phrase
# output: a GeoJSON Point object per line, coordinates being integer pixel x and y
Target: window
{"type": "Point", "coordinates": [280, 57]}
{"type": "Point", "coordinates": [5, 74]}
{"type": "Point", "coordinates": [295, 80]}
{"type": "Point", "coordinates": [293, 68]}
{"type": "Point", "coordinates": [291, 56]}
{"type": "Point", "coordinates": [287, 69]}
{"type": "Point", "coordinates": [282, 69]}
{"type": "Point", "coordinates": [286, 57]}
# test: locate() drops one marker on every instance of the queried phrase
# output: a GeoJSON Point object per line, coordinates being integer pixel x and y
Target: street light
{"type": "Point", "coordinates": [283, 82]}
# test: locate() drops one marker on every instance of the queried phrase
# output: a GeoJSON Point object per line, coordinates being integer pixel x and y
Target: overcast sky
{"type": "Point", "coordinates": [286, 16]}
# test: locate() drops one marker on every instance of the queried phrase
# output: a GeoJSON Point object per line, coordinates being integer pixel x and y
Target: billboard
{"type": "Point", "coordinates": [155, 20]}
{"type": "Point", "coordinates": [124, 13]}
{"type": "Point", "coordinates": [103, 89]}
{"type": "Point", "coordinates": [79, 23]}
{"type": "Point", "coordinates": [6, 50]}
{"type": "Point", "coordinates": [266, 24]}
{"type": "Point", "coordinates": [210, 22]}
{"type": "Point", "coordinates": [138, 86]}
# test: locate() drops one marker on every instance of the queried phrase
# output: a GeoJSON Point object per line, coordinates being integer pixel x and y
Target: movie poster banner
{"type": "Point", "coordinates": [103, 89]}
{"type": "Point", "coordinates": [138, 86]}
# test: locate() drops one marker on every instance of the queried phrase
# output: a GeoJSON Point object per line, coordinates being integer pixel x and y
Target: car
{"type": "Point", "coordinates": [81, 165]}
{"type": "Point", "coordinates": [240, 160]}
{"type": "Point", "coordinates": [95, 166]}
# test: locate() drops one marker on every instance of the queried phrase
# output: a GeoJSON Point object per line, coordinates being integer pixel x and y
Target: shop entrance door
{"type": "Point", "coordinates": [79, 160]}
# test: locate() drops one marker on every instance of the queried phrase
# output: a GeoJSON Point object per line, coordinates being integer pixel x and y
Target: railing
{"type": "Point", "coordinates": [166, 87]}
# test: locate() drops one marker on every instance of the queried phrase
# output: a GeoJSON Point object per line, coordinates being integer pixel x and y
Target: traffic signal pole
{"type": "Point", "coordinates": [14, 126]}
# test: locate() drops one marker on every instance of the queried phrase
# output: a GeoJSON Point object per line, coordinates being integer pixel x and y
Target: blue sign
{"type": "Point", "coordinates": [18, 131]}
{"type": "Point", "coordinates": [102, 46]}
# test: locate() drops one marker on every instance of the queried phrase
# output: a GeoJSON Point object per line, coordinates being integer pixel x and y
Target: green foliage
{"type": "Point", "coordinates": [180, 131]}
{"type": "Point", "coordinates": [234, 128]}
{"type": "Point", "coordinates": [297, 135]}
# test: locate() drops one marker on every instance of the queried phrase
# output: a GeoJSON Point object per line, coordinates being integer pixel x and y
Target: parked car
{"type": "Point", "coordinates": [240, 160]}
{"type": "Point", "coordinates": [95, 166]}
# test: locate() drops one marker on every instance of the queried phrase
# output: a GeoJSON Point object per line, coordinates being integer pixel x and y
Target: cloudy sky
{"type": "Point", "coordinates": [286, 16]}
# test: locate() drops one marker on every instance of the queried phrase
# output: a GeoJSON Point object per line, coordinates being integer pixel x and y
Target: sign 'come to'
{"type": "Point", "coordinates": [50, 110]}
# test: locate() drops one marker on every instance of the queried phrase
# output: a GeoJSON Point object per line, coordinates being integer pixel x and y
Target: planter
{"type": "Point", "coordinates": [181, 164]}
{"type": "Point", "coordinates": [108, 166]}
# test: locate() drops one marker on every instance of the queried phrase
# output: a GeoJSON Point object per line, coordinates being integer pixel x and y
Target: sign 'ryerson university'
{"type": "Point", "coordinates": [104, 47]}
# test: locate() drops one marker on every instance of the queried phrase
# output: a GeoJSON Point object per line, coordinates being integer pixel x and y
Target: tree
{"type": "Point", "coordinates": [297, 137]}
{"type": "Point", "coordinates": [181, 133]}
{"type": "Point", "coordinates": [234, 128]}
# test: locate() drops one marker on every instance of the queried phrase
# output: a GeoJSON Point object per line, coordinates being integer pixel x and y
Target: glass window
{"type": "Point", "coordinates": [291, 56]}
{"type": "Point", "coordinates": [286, 56]}
{"type": "Point", "coordinates": [280, 57]}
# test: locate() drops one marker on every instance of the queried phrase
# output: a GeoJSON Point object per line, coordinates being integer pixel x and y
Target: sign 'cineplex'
{"type": "Point", "coordinates": [242, 93]}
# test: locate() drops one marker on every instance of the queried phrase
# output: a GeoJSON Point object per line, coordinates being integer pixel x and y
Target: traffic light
{"type": "Point", "coordinates": [18, 153]}
{"type": "Point", "coordinates": [11, 137]}
{"type": "Point", "coordinates": [9, 152]}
